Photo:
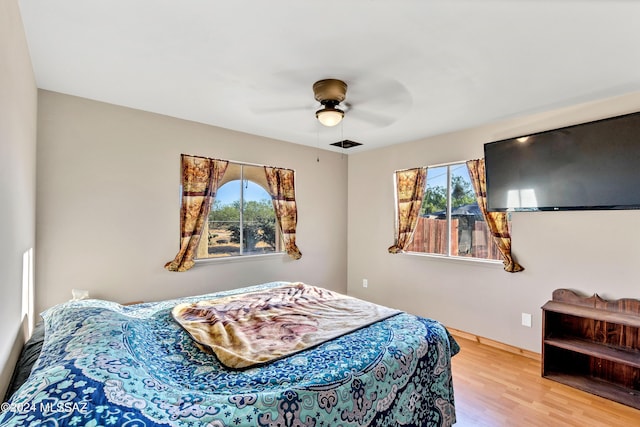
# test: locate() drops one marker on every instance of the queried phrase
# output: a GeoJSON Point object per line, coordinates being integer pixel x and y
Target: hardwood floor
{"type": "Point", "coordinates": [496, 388]}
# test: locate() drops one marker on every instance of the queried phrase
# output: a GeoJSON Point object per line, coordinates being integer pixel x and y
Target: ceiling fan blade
{"type": "Point", "coordinates": [285, 110]}
{"type": "Point", "coordinates": [378, 90]}
{"type": "Point", "coordinates": [377, 119]}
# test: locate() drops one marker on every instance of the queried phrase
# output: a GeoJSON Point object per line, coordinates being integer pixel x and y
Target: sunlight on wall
{"type": "Point", "coordinates": [27, 292]}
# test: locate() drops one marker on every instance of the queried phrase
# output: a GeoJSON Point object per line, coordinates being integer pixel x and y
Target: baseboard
{"type": "Point", "coordinates": [496, 344]}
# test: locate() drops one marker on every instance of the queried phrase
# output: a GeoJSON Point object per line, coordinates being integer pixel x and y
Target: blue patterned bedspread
{"type": "Point", "coordinates": [104, 364]}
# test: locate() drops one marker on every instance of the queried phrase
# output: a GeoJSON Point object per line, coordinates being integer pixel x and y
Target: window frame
{"type": "Point", "coordinates": [239, 257]}
{"type": "Point", "coordinates": [448, 255]}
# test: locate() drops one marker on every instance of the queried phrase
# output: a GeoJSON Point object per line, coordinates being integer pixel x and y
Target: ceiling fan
{"type": "Point", "coordinates": [330, 93]}
{"type": "Point", "coordinates": [377, 101]}
{"type": "Point", "coordinates": [373, 102]}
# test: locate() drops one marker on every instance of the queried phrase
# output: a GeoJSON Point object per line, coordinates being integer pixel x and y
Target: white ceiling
{"type": "Point", "coordinates": [414, 68]}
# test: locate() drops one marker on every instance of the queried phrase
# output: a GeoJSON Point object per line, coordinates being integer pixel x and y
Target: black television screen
{"type": "Point", "coordinates": [594, 165]}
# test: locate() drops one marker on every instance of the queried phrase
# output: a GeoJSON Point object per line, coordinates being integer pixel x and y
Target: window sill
{"type": "Point", "coordinates": [240, 258]}
{"type": "Point", "coordinates": [456, 259]}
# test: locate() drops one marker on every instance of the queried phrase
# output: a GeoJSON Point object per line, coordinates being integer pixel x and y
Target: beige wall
{"type": "Point", "coordinates": [591, 251]}
{"type": "Point", "coordinates": [18, 98]}
{"type": "Point", "coordinates": [108, 204]}
{"type": "Point", "coordinates": [114, 171]}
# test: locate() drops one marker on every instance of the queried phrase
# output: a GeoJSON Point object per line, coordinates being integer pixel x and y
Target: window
{"type": "Point", "coordinates": [242, 220]}
{"type": "Point", "coordinates": [450, 222]}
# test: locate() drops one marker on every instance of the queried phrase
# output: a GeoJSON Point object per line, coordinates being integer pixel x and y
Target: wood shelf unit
{"type": "Point", "coordinates": [593, 345]}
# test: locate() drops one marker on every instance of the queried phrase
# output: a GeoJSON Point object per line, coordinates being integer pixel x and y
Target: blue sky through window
{"type": "Point", "coordinates": [437, 177]}
{"type": "Point", "coordinates": [230, 192]}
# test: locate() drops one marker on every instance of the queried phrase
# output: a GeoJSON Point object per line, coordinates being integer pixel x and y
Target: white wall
{"type": "Point", "coordinates": [589, 251]}
{"type": "Point", "coordinates": [18, 98]}
{"type": "Point", "coordinates": [108, 204]}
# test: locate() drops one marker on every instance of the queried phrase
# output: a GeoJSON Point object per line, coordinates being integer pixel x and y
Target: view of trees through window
{"type": "Point", "coordinates": [242, 220]}
{"type": "Point", "coordinates": [435, 200]}
{"type": "Point", "coordinates": [450, 221]}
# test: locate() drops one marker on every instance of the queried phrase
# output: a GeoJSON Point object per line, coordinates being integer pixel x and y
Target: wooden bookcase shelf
{"type": "Point", "coordinates": [593, 345]}
{"type": "Point", "coordinates": [614, 354]}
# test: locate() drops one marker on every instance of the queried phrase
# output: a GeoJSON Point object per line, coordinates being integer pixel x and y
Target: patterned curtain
{"type": "Point", "coordinates": [200, 180]}
{"type": "Point", "coordinates": [410, 187]}
{"type": "Point", "coordinates": [283, 195]}
{"type": "Point", "coordinates": [496, 221]}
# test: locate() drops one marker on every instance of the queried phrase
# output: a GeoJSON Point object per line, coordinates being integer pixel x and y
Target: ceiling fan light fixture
{"type": "Point", "coordinates": [329, 115]}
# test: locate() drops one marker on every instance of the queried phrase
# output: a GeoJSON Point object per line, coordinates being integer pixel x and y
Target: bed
{"type": "Point", "coordinates": [105, 364]}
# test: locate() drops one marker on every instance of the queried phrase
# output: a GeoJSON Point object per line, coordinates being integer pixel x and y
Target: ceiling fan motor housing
{"type": "Point", "coordinates": [330, 90]}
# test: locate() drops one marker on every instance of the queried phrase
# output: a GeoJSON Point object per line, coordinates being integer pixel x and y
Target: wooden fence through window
{"type": "Point", "coordinates": [430, 236]}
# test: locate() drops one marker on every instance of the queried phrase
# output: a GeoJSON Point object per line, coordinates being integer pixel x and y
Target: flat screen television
{"type": "Point", "coordinates": [589, 166]}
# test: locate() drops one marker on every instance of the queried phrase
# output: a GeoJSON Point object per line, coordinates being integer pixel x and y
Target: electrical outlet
{"type": "Point", "coordinates": [365, 283]}
{"type": "Point", "coordinates": [526, 320]}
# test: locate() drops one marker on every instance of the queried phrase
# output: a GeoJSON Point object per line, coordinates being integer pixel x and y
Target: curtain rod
{"type": "Point", "coordinates": [450, 163]}
{"type": "Point", "coordinates": [236, 162]}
